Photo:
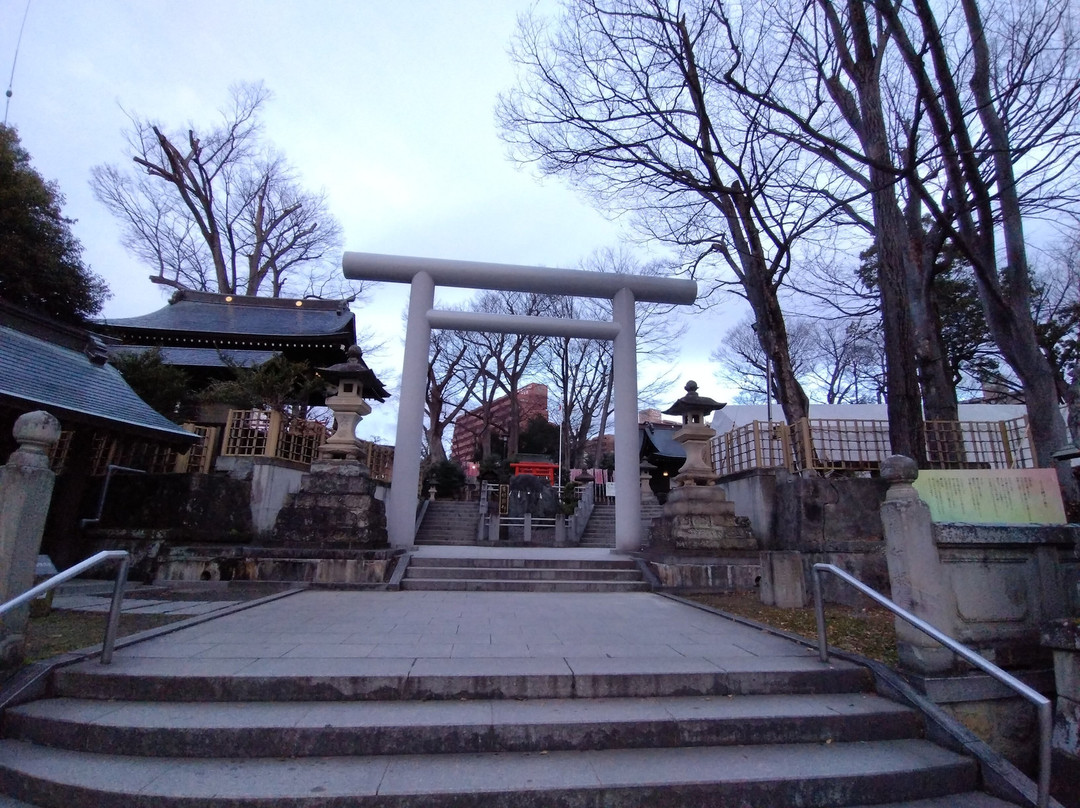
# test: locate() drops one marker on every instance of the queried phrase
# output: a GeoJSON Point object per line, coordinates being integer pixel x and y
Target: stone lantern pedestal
{"type": "Point", "coordinates": [336, 507]}
{"type": "Point", "coordinates": [698, 544]}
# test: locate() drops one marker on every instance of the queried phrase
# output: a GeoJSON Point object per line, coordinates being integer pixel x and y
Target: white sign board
{"type": "Point", "coordinates": [993, 496]}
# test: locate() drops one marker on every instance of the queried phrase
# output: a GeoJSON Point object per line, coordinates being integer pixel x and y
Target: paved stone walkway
{"type": "Point", "coordinates": [100, 603]}
{"type": "Point", "coordinates": [642, 629]}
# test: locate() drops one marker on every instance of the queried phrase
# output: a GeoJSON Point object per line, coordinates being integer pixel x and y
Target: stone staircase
{"type": "Point", "coordinates": [529, 733]}
{"type": "Point", "coordinates": [521, 574]}
{"type": "Point", "coordinates": [448, 522]}
{"type": "Point", "coordinates": [600, 530]}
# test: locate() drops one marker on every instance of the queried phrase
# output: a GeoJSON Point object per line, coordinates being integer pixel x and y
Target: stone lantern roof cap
{"type": "Point", "coordinates": [692, 402]}
{"type": "Point", "coordinates": [354, 368]}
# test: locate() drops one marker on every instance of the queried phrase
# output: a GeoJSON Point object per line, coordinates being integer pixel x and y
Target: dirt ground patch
{"type": "Point", "coordinates": [866, 631]}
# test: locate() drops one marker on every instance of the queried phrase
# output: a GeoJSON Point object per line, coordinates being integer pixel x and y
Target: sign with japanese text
{"type": "Point", "coordinates": [993, 496]}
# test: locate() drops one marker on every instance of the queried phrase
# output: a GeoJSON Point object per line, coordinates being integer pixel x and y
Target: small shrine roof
{"type": "Point", "coordinates": [237, 316]}
{"type": "Point", "coordinates": [658, 440]}
{"type": "Point", "coordinates": [199, 357]}
{"type": "Point", "coordinates": [77, 386]}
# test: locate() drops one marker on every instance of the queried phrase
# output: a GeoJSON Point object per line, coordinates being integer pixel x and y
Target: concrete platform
{"type": "Point", "coordinates": [494, 551]}
{"type": "Point", "coordinates": [319, 625]}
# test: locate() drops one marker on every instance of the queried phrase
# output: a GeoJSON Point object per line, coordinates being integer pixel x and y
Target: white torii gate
{"type": "Point", "coordinates": [424, 273]}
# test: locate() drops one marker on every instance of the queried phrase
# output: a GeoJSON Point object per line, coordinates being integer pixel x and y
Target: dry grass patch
{"type": "Point", "coordinates": [62, 631]}
{"type": "Point", "coordinates": [868, 631]}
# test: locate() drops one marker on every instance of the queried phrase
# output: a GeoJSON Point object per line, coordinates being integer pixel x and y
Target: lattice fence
{"type": "Point", "coordinates": [260, 433]}
{"type": "Point", "coordinates": [837, 444]}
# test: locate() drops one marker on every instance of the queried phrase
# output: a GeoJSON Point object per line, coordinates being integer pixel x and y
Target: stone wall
{"type": "Point", "coordinates": [803, 521]}
{"type": "Point", "coordinates": [326, 567]}
{"type": "Point", "coordinates": [1006, 581]}
{"type": "Point", "coordinates": [180, 508]}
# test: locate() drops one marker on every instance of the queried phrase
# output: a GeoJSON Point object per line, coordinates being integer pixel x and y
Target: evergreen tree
{"type": "Point", "coordinates": [41, 264]}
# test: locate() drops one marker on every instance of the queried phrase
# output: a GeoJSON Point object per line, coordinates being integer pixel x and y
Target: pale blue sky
{"type": "Point", "coordinates": [388, 106]}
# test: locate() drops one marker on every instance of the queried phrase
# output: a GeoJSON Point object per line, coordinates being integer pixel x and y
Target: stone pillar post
{"type": "Point", "coordinates": [920, 582]}
{"type": "Point", "coordinates": [647, 495]}
{"type": "Point", "coordinates": [26, 485]}
{"type": "Point", "coordinates": [401, 513]}
{"type": "Point", "coordinates": [627, 487]}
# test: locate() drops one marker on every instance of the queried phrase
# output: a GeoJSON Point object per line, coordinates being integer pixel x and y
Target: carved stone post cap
{"type": "Point", "coordinates": [899, 469]}
{"type": "Point", "coordinates": [36, 431]}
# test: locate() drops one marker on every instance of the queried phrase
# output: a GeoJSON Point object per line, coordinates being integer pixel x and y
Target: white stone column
{"type": "Point", "coordinates": [401, 515]}
{"type": "Point", "coordinates": [918, 580]}
{"type": "Point", "coordinates": [627, 488]}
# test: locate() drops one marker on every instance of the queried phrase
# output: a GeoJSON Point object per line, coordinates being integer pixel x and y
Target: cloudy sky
{"type": "Point", "coordinates": [388, 106]}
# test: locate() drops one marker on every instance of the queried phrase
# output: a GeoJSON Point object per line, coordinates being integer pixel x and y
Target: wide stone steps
{"type": "Point", "coordinates": [522, 575]}
{"type": "Point", "coordinates": [600, 530]}
{"type": "Point", "coordinates": [433, 679]}
{"type": "Point", "coordinates": [449, 523]}
{"type": "Point", "coordinates": [312, 729]}
{"type": "Point", "coordinates": [807, 775]}
{"type": "Point", "coordinates": [737, 719]}
{"type": "Point", "coordinates": [533, 574]}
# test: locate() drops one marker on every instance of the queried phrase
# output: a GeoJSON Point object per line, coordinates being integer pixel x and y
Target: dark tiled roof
{"type": "Point", "coordinates": [40, 374]}
{"type": "Point", "coordinates": [658, 440]}
{"type": "Point", "coordinates": [203, 313]}
{"type": "Point", "coordinates": [199, 357]}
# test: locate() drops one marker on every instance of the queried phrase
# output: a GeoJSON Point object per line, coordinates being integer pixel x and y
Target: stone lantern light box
{"type": "Point", "coordinates": [351, 382]}
{"type": "Point", "coordinates": [694, 436]}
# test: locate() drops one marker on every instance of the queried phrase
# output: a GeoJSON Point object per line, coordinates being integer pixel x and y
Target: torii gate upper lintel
{"type": "Point", "coordinates": [423, 274]}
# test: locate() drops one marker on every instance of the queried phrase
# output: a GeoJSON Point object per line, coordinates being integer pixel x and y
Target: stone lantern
{"type": "Point", "coordinates": [353, 382]}
{"type": "Point", "coordinates": [694, 436]}
{"type": "Point", "coordinates": [336, 507]}
{"type": "Point", "coordinates": [698, 519]}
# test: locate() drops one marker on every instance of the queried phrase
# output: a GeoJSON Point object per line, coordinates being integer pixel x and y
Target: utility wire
{"type": "Point", "coordinates": [14, 61]}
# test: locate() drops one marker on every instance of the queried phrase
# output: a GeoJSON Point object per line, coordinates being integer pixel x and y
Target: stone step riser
{"type": "Point", "coordinates": [495, 574]}
{"type": "Point", "coordinates": [105, 685]}
{"type": "Point", "coordinates": [709, 778]}
{"type": "Point", "coordinates": [191, 740]}
{"type": "Point", "coordinates": [522, 563]}
{"type": "Point", "coordinates": [483, 585]}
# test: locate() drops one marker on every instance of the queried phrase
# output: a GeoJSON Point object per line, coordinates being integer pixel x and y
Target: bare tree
{"type": "Point", "coordinates": [219, 210]}
{"type": "Point", "coordinates": [510, 354]}
{"type": "Point", "coordinates": [454, 371]}
{"type": "Point", "coordinates": [838, 361]}
{"type": "Point", "coordinates": [625, 98]}
{"type": "Point", "coordinates": [980, 146]}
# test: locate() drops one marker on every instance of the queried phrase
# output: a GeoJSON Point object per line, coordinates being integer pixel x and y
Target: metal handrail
{"type": "Point", "coordinates": [113, 623]}
{"type": "Point", "coordinates": [1043, 707]}
{"type": "Point", "coordinates": [112, 469]}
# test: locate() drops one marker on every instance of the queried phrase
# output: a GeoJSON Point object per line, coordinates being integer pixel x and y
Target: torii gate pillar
{"type": "Point", "coordinates": [624, 370]}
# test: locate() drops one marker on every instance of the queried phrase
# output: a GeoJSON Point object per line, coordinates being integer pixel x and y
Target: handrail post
{"type": "Point", "coordinates": [1045, 714]}
{"type": "Point", "coordinates": [113, 625]}
{"type": "Point", "coordinates": [819, 614]}
{"type": "Point", "coordinates": [113, 622]}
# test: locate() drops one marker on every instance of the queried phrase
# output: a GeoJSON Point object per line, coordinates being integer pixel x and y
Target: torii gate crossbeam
{"type": "Point", "coordinates": [424, 273]}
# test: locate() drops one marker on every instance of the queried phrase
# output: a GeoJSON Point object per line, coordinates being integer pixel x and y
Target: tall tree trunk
{"type": "Point", "coordinates": [896, 269]}
{"type": "Point", "coordinates": [735, 203]}
{"type": "Point", "coordinates": [1048, 432]}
